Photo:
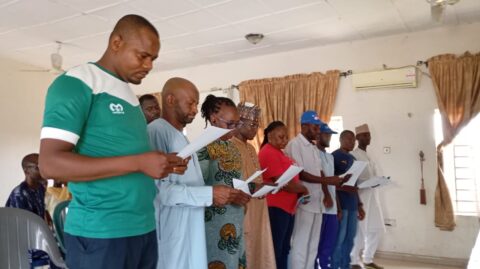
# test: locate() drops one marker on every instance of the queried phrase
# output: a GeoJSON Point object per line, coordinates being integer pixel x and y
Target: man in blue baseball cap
{"type": "Point", "coordinates": [328, 233]}
{"type": "Point", "coordinates": [308, 218]}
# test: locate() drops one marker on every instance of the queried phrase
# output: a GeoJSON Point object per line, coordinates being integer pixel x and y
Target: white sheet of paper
{"type": "Point", "coordinates": [243, 185]}
{"type": "Point", "coordinates": [208, 136]}
{"type": "Point", "coordinates": [288, 175]}
{"type": "Point", "coordinates": [374, 182]}
{"type": "Point", "coordinates": [255, 175]}
{"type": "Point", "coordinates": [356, 169]}
{"type": "Point", "coordinates": [263, 191]}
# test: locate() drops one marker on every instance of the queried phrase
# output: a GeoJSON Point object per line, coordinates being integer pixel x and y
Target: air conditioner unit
{"type": "Point", "coordinates": [389, 78]}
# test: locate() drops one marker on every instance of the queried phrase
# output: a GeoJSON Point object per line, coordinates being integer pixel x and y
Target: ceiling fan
{"type": "Point", "coordinates": [56, 61]}
{"type": "Point", "coordinates": [437, 8]}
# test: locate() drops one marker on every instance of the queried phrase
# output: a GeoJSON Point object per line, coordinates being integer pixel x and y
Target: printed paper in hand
{"type": "Point", "coordinates": [208, 136]}
{"type": "Point", "coordinates": [356, 169]}
{"type": "Point", "coordinates": [243, 185]}
{"type": "Point", "coordinates": [288, 175]}
{"type": "Point", "coordinates": [264, 191]}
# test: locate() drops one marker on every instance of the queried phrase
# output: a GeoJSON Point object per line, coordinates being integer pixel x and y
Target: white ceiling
{"type": "Point", "coordinates": [195, 32]}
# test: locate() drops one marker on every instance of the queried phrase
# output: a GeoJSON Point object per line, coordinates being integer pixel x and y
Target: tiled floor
{"type": "Point", "coordinates": [397, 264]}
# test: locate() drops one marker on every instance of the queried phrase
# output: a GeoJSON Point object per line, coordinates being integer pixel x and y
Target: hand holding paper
{"type": "Point", "coordinates": [263, 191]}
{"type": "Point", "coordinates": [243, 185]}
{"type": "Point", "coordinates": [355, 170]}
{"type": "Point", "coordinates": [209, 135]}
{"type": "Point", "coordinates": [224, 195]}
{"type": "Point", "coordinates": [288, 175]}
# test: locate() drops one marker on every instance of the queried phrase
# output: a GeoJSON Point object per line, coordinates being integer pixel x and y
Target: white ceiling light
{"type": "Point", "coordinates": [254, 38]}
{"type": "Point", "coordinates": [437, 8]}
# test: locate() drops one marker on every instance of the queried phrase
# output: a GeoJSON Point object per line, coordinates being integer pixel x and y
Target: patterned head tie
{"type": "Point", "coordinates": [249, 111]}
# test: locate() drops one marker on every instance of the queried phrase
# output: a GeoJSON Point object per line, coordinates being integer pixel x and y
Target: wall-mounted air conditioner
{"type": "Point", "coordinates": [389, 78]}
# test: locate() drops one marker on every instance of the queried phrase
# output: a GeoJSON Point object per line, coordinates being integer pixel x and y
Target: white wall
{"type": "Point", "coordinates": [384, 110]}
{"type": "Point", "coordinates": [22, 97]}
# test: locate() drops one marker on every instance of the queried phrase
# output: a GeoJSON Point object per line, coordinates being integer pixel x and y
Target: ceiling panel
{"type": "Point", "coordinates": [19, 39]}
{"type": "Point", "coordinates": [278, 5]}
{"type": "Point", "coordinates": [239, 10]}
{"type": "Point", "coordinates": [222, 48]}
{"type": "Point", "coordinates": [94, 43]}
{"type": "Point", "coordinates": [208, 3]}
{"type": "Point", "coordinates": [164, 9]}
{"type": "Point", "coordinates": [86, 6]}
{"type": "Point", "coordinates": [168, 30]}
{"type": "Point", "coordinates": [68, 29]}
{"type": "Point", "coordinates": [114, 13]}
{"type": "Point", "coordinates": [308, 14]}
{"type": "Point", "coordinates": [196, 21]}
{"type": "Point", "coordinates": [27, 13]}
{"type": "Point", "coordinates": [265, 24]}
{"type": "Point", "coordinates": [197, 32]}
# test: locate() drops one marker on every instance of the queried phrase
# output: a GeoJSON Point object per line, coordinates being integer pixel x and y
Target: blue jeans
{"type": "Point", "coordinates": [134, 252]}
{"type": "Point", "coordinates": [345, 238]}
{"type": "Point", "coordinates": [281, 224]}
{"type": "Point", "coordinates": [328, 239]}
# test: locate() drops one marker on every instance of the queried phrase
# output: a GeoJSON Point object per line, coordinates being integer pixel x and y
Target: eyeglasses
{"type": "Point", "coordinates": [230, 124]}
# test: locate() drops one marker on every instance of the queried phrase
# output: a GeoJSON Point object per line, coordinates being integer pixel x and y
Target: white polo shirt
{"type": "Point", "coordinates": [329, 171]}
{"type": "Point", "coordinates": [307, 155]}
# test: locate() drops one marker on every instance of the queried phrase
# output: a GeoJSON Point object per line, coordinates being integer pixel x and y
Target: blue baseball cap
{"type": "Point", "coordinates": [310, 117]}
{"type": "Point", "coordinates": [324, 128]}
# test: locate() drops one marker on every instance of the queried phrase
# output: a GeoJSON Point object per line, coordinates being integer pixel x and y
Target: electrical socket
{"type": "Point", "coordinates": [387, 150]}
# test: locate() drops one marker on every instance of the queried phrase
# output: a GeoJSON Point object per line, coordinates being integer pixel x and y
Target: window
{"type": "Point", "coordinates": [336, 124]}
{"type": "Point", "coordinates": [461, 174]}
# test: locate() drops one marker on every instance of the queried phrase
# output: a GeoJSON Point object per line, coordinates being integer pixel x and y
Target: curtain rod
{"type": "Point", "coordinates": [419, 63]}
{"type": "Point", "coordinates": [233, 86]}
{"type": "Point", "coordinates": [342, 74]}
{"type": "Point", "coordinates": [346, 73]}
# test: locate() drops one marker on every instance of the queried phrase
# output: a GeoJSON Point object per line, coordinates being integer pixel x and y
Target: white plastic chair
{"type": "Point", "coordinates": [21, 230]}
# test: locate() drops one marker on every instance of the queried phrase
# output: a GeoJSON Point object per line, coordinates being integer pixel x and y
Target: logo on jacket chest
{"type": "Point", "coordinates": [116, 109]}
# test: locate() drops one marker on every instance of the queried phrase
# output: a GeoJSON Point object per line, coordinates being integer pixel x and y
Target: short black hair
{"type": "Point", "coordinates": [133, 21]}
{"type": "Point", "coordinates": [344, 133]}
{"type": "Point", "coordinates": [212, 105]}
{"type": "Point", "coordinates": [28, 160]}
{"type": "Point", "coordinates": [146, 97]}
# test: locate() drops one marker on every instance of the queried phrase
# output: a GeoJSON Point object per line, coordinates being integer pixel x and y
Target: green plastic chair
{"type": "Point", "coordinates": [59, 216]}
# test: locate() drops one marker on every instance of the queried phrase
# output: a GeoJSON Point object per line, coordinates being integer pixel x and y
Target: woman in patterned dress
{"type": "Point", "coordinates": [221, 162]}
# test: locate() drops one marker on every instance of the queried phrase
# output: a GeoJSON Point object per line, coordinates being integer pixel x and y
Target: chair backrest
{"type": "Point", "coordinates": [21, 230]}
{"type": "Point", "coordinates": [59, 215]}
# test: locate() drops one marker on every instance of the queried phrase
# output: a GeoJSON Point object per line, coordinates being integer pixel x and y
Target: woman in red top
{"type": "Point", "coordinates": [282, 205]}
